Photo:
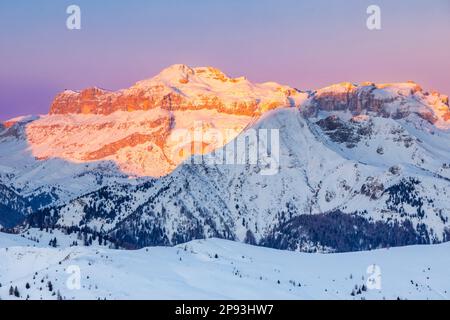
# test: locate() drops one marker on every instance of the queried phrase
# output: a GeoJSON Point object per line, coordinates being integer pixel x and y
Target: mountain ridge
{"type": "Point", "coordinates": [180, 87]}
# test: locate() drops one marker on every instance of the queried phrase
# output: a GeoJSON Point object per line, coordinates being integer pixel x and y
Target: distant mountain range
{"type": "Point", "coordinates": [357, 166]}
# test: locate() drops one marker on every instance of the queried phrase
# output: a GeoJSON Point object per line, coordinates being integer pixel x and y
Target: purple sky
{"type": "Point", "coordinates": [305, 44]}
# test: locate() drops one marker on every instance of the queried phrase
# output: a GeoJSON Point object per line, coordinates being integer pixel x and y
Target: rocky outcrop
{"type": "Point", "coordinates": [180, 88]}
{"type": "Point", "coordinates": [387, 100]}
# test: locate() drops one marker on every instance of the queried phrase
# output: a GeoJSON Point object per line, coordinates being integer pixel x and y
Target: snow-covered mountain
{"type": "Point", "coordinates": [178, 88]}
{"type": "Point", "coordinates": [219, 269]}
{"type": "Point", "coordinates": [138, 129]}
{"type": "Point", "coordinates": [357, 166]}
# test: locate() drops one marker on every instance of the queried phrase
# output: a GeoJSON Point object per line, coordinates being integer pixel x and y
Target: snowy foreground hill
{"type": "Point", "coordinates": [219, 269]}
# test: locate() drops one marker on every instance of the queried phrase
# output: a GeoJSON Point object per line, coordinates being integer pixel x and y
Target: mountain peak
{"type": "Point", "coordinates": [179, 74]}
{"type": "Point", "coordinates": [176, 71]}
{"type": "Point", "coordinates": [180, 87]}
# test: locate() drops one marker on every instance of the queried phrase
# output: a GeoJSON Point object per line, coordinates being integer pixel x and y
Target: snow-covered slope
{"type": "Point", "coordinates": [327, 164]}
{"type": "Point", "coordinates": [13, 240]}
{"type": "Point", "coordinates": [219, 269]}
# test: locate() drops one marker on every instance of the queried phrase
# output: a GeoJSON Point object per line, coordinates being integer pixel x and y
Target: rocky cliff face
{"type": "Point", "coordinates": [387, 100]}
{"type": "Point", "coordinates": [137, 128]}
{"type": "Point", "coordinates": [180, 87]}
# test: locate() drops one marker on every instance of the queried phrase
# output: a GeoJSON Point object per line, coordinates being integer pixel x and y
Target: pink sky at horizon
{"type": "Point", "coordinates": [303, 44]}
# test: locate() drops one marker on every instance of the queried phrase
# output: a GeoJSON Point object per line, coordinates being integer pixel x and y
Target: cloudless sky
{"type": "Point", "coordinates": [306, 44]}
